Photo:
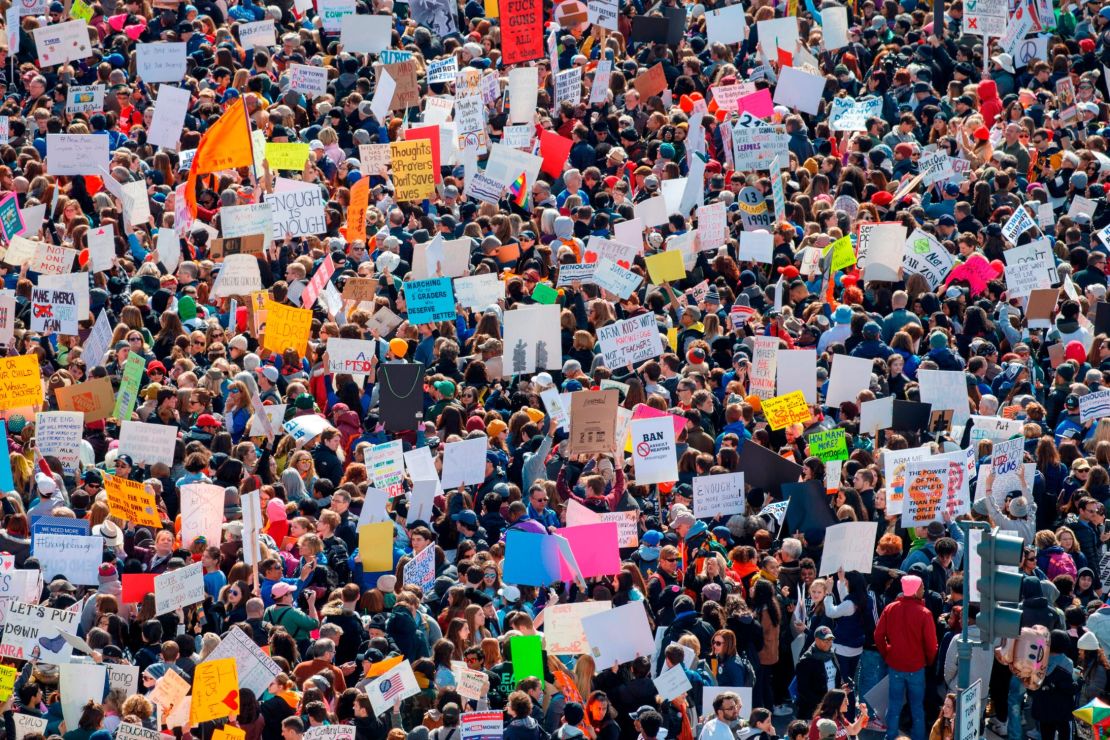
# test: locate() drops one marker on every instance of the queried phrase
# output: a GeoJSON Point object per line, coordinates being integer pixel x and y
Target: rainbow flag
{"type": "Point", "coordinates": [518, 189]}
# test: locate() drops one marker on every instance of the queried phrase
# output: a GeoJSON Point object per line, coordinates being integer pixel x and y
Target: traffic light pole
{"type": "Point", "coordinates": [963, 676]}
{"type": "Point", "coordinates": [999, 587]}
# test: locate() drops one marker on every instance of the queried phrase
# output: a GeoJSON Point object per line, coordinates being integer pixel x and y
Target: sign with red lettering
{"type": "Point", "coordinates": [521, 30]}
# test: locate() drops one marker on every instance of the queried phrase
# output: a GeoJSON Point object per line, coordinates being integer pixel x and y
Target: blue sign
{"type": "Point", "coordinates": [57, 525]}
{"type": "Point", "coordinates": [430, 301]}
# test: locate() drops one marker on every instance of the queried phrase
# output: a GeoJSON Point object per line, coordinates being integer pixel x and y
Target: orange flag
{"type": "Point", "coordinates": [225, 145]}
{"type": "Point", "coordinates": [356, 211]}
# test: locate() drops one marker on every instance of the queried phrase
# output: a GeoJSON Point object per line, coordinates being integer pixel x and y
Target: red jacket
{"type": "Point", "coordinates": [906, 635]}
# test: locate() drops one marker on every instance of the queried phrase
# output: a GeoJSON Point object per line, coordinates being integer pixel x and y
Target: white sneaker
{"type": "Point", "coordinates": [783, 710]}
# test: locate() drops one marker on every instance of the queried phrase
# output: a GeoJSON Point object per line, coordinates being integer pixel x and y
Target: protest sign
{"type": "Point", "coordinates": [93, 398]}
{"type": "Point", "coordinates": [481, 725]}
{"type": "Point", "coordinates": [51, 259]}
{"type": "Point", "coordinates": [1094, 405]}
{"type": "Point", "coordinates": [148, 444]}
{"type": "Point", "coordinates": [764, 364]}
{"type": "Point", "coordinates": [479, 291]}
{"type": "Point", "coordinates": [395, 685]}
{"type": "Point", "coordinates": [59, 43]}
{"type": "Point", "coordinates": [935, 166]}
{"type": "Point", "coordinates": [987, 18]}
{"type": "Point", "coordinates": [201, 512]}
{"type": "Point", "coordinates": [926, 488]}
{"type": "Point", "coordinates": [254, 668]}
{"type": "Point", "coordinates": [239, 276]}
{"type": "Point", "coordinates": [26, 724]}
{"type": "Point", "coordinates": [307, 79]}
{"type": "Point", "coordinates": [593, 420]}
{"type": "Point", "coordinates": [78, 557]}
{"type": "Point", "coordinates": [532, 341]}
{"type": "Point", "coordinates": [54, 311]}
{"type": "Point", "coordinates": [672, 683]}
{"type": "Point", "coordinates": [718, 495]}
{"type": "Point", "coordinates": [125, 677]}
{"type": "Point", "coordinates": [796, 370]}
{"type": "Point", "coordinates": [785, 410]}
{"type": "Point", "coordinates": [31, 631]}
{"type": "Point", "coordinates": [78, 684]}
{"type": "Point", "coordinates": [255, 218]}
{"type": "Point", "coordinates": [330, 732]}
{"type": "Point", "coordinates": [179, 588]}
{"type": "Point", "coordinates": [563, 632]}
{"type": "Point", "coordinates": [421, 570]}
{"type": "Point", "coordinates": [464, 463]}
{"type": "Point", "coordinates": [654, 451]}
{"type": "Point", "coordinates": [829, 444]}
{"type": "Point", "coordinates": [20, 382]}
{"type": "Point", "coordinates": [352, 356]}
{"type": "Point", "coordinates": [880, 249]}
{"type": "Point", "coordinates": [215, 690]}
{"type": "Point", "coordinates": [413, 170]}
{"type": "Point", "coordinates": [161, 62]}
{"type": "Point", "coordinates": [130, 500]}
{"type": "Point", "coordinates": [894, 472]}
{"type": "Point", "coordinates": [926, 256]}
{"type": "Point", "coordinates": [851, 115]}
{"type": "Point", "coordinates": [85, 99]}
{"type": "Point", "coordinates": [430, 301]}
{"type": "Point", "coordinates": [945, 389]}
{"type": "Point", "coordinates": [286, 327]}
{"type": "Point", "coordinates": [129, 386]}
{"type": "Point", "coordinates": [472, 684]}
{"type": "Point", "coordinates": [799, 89]}
{"type": "Point", "coordinates": [631, 341]}
{"type": "Point", "coordinates": [618, 635]}
{"type": "Point", "coordinates": [385, 464]}
{"type": "Point", "coordinates": [58, 434]}
{"type": "Point", "coordinates": [297, 211]}
{"type": "Point", "coordinates": [756, 246]}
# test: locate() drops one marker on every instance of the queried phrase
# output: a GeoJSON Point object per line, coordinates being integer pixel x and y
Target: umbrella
{"type": "Point", "coordinates": [1094, 712]}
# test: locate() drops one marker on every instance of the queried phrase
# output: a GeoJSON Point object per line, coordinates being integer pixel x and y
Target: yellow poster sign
{"type": "Point", "coordinates": [782, 411]}
{"type": "Point", "coordinates": [130, 500]}
{"type": "Point", "coordinates": [215, 690]}
{"type": "Point", "coordinates": [20, 382]}
{"type": "Point", "coordinates": [665, 266]}
{"type": "Point", "coordinates": [286, 328]}
{"type": "Point", "coordinates": [283, 156]}
{"type": "Point", "coordinates": [414, 176]}
{"type": "Point", "coordinates": [375, 546]}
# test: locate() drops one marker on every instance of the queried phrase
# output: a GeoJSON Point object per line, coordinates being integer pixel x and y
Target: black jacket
{"type": "Point", "coordinates": [812, 680]}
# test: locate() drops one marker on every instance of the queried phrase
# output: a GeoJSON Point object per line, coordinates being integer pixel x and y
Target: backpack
{"type": "Point", "coordinates": [1060, 563]}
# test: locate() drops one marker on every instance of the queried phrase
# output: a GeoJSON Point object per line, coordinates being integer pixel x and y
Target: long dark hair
{"type": "Point", "coordinates": [763, 600]}
{"type": "Point", "coordinates": [830, 705]}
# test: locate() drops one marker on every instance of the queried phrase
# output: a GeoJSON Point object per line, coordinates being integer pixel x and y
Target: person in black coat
{"type": "Point", "coordinates": [817, 671]}
{"type": "Point", "coordinates": [325, 457]}
{"type": "Point", "coordinates": [686, 620]}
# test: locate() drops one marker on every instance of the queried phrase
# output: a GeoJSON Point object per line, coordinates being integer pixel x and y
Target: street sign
{"type": "Point", "coordinates": [968, 712]}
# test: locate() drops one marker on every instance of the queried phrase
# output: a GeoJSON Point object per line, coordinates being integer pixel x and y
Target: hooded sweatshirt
{"type": "Point", "coordinates": [990, 105]}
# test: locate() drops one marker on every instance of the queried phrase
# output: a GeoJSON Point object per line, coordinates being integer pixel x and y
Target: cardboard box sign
{"type": "Point", "coordinates": [250, 244]}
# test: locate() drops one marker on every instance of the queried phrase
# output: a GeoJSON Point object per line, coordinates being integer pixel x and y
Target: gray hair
{"type": "Point", "coordinates": [792, 547]}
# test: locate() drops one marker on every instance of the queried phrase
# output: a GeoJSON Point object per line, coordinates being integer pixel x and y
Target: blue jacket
{"type": "Point", "coordinates": [735, 671]}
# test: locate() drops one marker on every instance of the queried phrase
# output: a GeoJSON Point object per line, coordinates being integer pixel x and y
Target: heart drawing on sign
{"type": "Point", "coordinates": [53, 644]}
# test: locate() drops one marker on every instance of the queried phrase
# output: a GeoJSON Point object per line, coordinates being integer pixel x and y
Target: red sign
{"type": "Point", "coordinates": [521, 30]}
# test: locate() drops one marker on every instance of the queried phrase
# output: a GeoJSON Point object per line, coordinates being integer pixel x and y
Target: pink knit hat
{"type": "Point", "coordinates": [911, 585]}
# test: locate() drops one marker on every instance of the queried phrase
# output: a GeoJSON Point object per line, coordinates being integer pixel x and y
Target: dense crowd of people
{"type": "Point", "coordinates": [771, 641]}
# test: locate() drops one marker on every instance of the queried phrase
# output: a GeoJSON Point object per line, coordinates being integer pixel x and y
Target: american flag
{"type": "Point", "coordinates": [390, 686]}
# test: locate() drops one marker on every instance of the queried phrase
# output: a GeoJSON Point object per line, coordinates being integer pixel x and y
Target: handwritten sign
{"type": "Point", "coordinates": [782, 411]}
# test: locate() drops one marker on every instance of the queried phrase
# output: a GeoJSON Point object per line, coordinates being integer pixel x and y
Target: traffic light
{"type": "Point", "coordinates": [996, 586]}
